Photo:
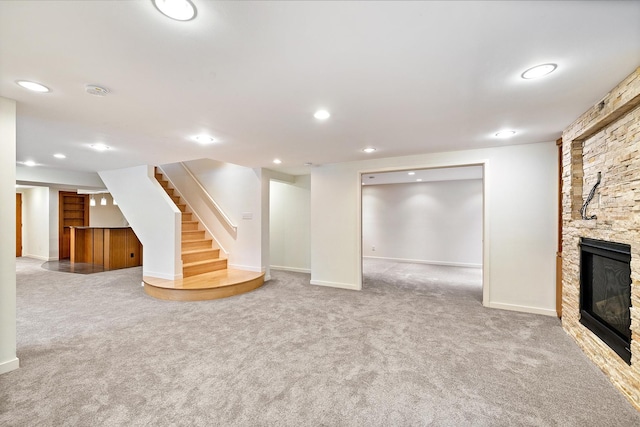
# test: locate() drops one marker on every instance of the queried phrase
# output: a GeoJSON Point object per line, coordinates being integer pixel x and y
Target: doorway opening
{"type": "Point", "coordinates": [424, 227]}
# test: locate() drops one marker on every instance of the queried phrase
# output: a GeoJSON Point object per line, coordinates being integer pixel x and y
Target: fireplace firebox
{"type": "Point", "coordinates": [605, 293]}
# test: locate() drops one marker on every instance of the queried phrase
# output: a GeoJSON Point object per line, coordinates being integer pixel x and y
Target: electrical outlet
{"type": "Point", "coordinates": [373, 248]}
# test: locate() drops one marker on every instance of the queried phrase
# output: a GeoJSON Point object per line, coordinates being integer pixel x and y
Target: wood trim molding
{"type": "Point", "coordinates": [559, 251]}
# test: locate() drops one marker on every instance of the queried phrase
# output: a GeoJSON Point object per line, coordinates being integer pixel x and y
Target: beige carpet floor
{"type": "Point", "coordinates": [414, 348]}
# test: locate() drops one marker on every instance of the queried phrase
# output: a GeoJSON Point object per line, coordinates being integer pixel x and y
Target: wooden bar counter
{"type": "Point", "coordinates": [111, 247]}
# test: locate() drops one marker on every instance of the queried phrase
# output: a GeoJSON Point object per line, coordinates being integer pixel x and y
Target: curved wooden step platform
{"type": "Point", "coordinates": [207, 286]}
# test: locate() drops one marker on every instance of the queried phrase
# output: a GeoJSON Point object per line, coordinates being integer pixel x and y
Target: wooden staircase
{"type": "Point", "coordinates": [204, 271]}
{"type": "Point", "coordinates": [198, 252]}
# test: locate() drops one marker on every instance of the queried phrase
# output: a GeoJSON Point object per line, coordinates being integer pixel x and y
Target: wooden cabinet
{"type": "Point", "coordinates": [112, 248]}
{"type": "Point", "coordinates": [73, 212]}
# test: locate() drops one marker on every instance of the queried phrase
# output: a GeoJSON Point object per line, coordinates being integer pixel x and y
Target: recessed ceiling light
{"type": "Point", "coordinates": [322, 115]}
{"type": "Point", "coordinates": [204, 139]}
{"type": "Point", "coordinates": [180, 10]}
{"type": "Point", "coordinates": [99, 147]}
{"type": "Point", "coordinates": [369, 150]}
{"type": "Point", "coordinates": [411, 173]}
{"type": "Point", "coordinates": [539, 71]}
{"type": "Point", "coordinates": [308, 164]}
{"type": "Point", "coordinates": [36, 87]}
{"type": "Point", "coordinates": [419, 180]}
{"type": "Point", "coordinates": [505, 134]}
{"type": "Point", "coordinates": [29, 163]}
{"type": "Point", "coordinates": [59, 156]}
{"type": "Point", "coordinates": [277, 161]}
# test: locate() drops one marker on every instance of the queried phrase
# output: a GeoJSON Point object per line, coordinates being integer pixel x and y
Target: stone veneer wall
{"type": "Point", "coordinates": [605, 139]}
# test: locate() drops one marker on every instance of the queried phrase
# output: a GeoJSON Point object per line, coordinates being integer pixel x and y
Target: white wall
{"type": "Point", "coordinates": [53, 180]}
{"type": "Point", "coordinates": [290, 228]}
{"type": "Point", "coordinates": [35, 223]}
{"type": "Point", "coordinates": [520, 221]}
{"type": "Point", "coordinates": [40, 231]}
{"type": "Point", "coordinates": [8, 359]}
{"type": "Point", "coordinates": [153, 217]}
{"type": "Point", "coordinates": [239, 193]}
{"type": "Point", "coordinates": [437, 222]}
{"type": "Point", "coordinates": [109, 215]}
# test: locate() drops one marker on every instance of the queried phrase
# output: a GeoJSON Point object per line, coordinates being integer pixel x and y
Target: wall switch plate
{"type": "Point", "coordinates": [247, 215]}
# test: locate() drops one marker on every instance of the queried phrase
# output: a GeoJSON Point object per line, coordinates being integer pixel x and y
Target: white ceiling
{"type": "Point", "coordinates": [404, 77]}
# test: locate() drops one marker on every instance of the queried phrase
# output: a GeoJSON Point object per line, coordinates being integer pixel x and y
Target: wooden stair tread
{"type": "Point", "coordinates": [198, 251]}
{"type": "Point", "coordinates": [197, 240]}
{"type": "Point", "coordinates": [203, 262]}
{"type": "Point", "coordinates": [214, 279]}
{"type": "Point", "coordinates": [200, 254]}
{"type": "Point", "coordinates": [207, 286]}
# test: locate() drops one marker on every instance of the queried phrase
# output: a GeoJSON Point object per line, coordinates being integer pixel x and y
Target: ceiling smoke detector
{"type": "Point", "coordinates": [97, 90]}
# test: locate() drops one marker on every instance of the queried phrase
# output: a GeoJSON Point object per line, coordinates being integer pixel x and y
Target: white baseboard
{"type": "Point", "coordinates": [422, 261]}
{"type": "Point", "coordinates": [523, 309]}
{"type": "Point", "coordinates": [9, 365]}
{"type": "Point", "coordinates": [162, 275]}
{"type": "Point", "coordinates": [38, 257]}
{"type": "Point", "coordinates": [294, 269]}
{"type": "Point", "coordinates": [349, 286]}
{"type": "Point", "coordinates": [246, 268]}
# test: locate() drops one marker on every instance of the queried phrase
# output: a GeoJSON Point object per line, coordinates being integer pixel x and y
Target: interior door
{"type": "Point", "coordinates": [18, 224]}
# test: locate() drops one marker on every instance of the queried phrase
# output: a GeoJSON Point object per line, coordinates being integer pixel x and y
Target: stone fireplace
{"type": "Point", "coordinates": [604, 141]}
{"type": "Point", "coordinates": [605, 293]}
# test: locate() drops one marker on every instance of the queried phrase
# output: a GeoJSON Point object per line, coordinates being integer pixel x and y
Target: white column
{"type": "Point", "coordinates": [8, 359]}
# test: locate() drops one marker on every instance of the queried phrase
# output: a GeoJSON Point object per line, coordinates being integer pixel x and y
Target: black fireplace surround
{"type": "Point", "coordinates": [605, 293]}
